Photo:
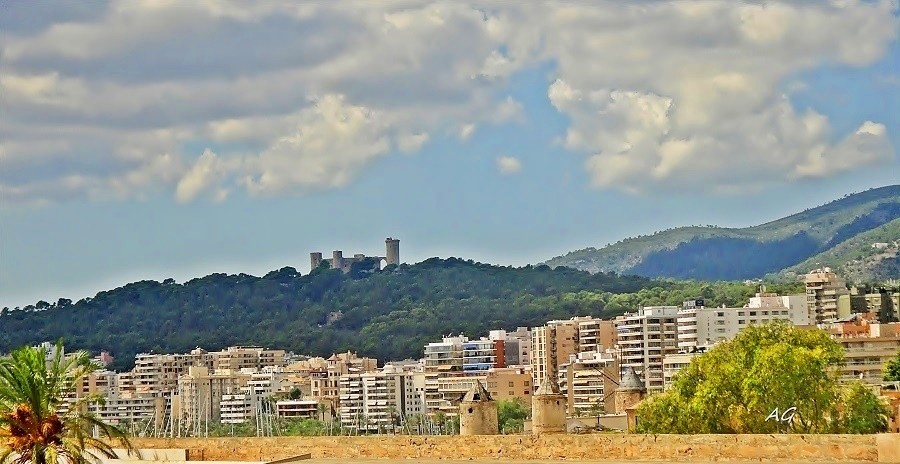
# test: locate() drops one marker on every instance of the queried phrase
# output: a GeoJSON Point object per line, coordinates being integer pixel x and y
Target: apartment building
{"type": "Point", "coordinates": [699, 326]}
{"type": "Point", "coordinates": [596, 335]}
{"type": "Point", "coordinates": [586, 379]}
{"type": "Point", "coordinates": [517, 345]}
{"type": "Point", "coordinates": [157, 374]}
{"type": "Point", "coordinates": [200, 392]}
{"type": "Point", "coordinates": [551, 346]}
{"type": "Point", "coordinates": [247, 357]}
{"type": "Point", "coordinates": [823, 288]}
{"type": "Point", "coordinates": [644, 339]}
{"type": "Point", "coordinates": [325, 382]}
{"type": "Point", "coordinates": [237, 408]}
{"type": "Point", "coordinates": [378, 400]}
{"type": "Point", "coordinates": [483, 354]}
{"type": "Point", "coordinates": [120, 410]}
{"type": "Point", "coordinates": [297, 409]}
{"type": "Point", "coordinates": [446, 355]}
{"type": "Point", "coordinates": [867, 347]}
{"type": "Point", "coordinates": [674, 363]}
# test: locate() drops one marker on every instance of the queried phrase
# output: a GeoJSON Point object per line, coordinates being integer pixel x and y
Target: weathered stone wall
{"type": "Point", "coordinates": [685, 448]}
{"type": "Point", "coordinates": [479, 418]}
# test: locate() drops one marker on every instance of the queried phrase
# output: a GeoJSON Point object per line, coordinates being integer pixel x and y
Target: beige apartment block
{"type": "Point", "coordinates": [551, 346]}
{"type": "Point", "coordinates": [247, 357]}
{"type": "Point", "coordinates": [325, 382]}
{"type": "Point", "coordinates": [157, 374]}
{"type": "Point", "coordinates": [585, 381]}
{"type": "Point", "coordinates": [200, 392]}
{"type": "Point", "coordinates": [867, 348]}
{"type": "Point", "coordinates": [823, 288]}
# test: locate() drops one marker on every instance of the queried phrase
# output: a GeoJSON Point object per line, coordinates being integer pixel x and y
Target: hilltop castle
{"type": "Point", "coordinates": [368, 263]}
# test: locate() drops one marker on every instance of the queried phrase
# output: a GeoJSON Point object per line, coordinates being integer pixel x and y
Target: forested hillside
{"type": "Point", "coordinates": [857, 259]}
{"type": "Point", "coordinates": [717, 253]}
{"type": "Point", "coordinates": [388, 315]}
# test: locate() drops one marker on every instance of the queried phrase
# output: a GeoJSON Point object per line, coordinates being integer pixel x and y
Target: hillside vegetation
{"type": "Point", "coordinates": [716, 253]}
{"type": "Point", "coordinates": [388, 315]}
{"type": "Point", "coordinates": [857, 259]}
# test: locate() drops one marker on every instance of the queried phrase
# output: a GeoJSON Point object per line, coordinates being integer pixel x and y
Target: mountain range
{"type": "Point", "coordinates": [840, 234]}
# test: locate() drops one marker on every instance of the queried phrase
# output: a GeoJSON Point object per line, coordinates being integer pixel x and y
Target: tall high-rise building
{"type": "Point", "coordinates": [644, 339]}
{"type": "Point", "coordinates": [823, 288]}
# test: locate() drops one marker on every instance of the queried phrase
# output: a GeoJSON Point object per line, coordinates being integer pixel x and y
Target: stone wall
{"type": "Point", "coordinates": [685, 448]}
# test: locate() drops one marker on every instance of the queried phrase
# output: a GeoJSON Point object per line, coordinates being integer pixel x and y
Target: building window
{"type": "Point", "coordinates": [741, 321]}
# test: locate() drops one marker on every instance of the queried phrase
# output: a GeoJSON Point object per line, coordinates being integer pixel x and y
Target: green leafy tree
{"type": "Point", "coordinates": [33, 388]}
{"type": "Point", "coordinates": [862, 411]}
{"type": "Point", "coordinates": [736, 386]}
{"type": "Point", "coordinates": [892, 369]}
{"type": "Point", "coordinates": [512, 414]}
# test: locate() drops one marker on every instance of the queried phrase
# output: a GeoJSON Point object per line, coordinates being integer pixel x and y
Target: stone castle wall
{"type": "Point", "coordinates": [684, 448]}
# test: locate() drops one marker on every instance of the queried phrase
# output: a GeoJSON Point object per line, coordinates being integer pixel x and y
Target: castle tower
{"type": "Point", "coordinates": [548, 409]}
{"type": "Point", "coordinates": [337, 260]}
{"type": "Point", "coordinates": [478, 413]}
{"type": "Point", "coordinates": [630, 392]}
{"type": "Point", "coordinates": [392, 251]}
{"type": "Point", "coordinates": [315, 260]}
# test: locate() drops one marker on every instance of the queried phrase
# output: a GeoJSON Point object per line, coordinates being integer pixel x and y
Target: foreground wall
{"type": "Point", "coordinates": [807, 448]}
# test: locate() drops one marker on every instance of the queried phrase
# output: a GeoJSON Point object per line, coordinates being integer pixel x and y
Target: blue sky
{"type": "Point", "coordinates": [146, 140]}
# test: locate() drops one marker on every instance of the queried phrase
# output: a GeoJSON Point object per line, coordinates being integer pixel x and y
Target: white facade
{"type": "Point", "coordinates": [237, 408]}
{"type": "Point", "coordinates": [644, 339]}
{"type": "Point", "coordinates": [379, 400]}
{"type": "Point", "coordinates": [446, 355]}
{"type": "Point", "coordinates": [583, 380]}
{"type": "Point", "coordinates": [306, 409]}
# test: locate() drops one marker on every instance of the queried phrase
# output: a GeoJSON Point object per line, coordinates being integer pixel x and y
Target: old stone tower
{"type": "Point", "coordinates": [548, 409]}
{"type": "Point", "coordinates": [478, 412]}
{"type": "Point", "coordinates": [630, 392]}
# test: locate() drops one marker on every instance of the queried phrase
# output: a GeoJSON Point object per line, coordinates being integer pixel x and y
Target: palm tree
{"type": "Point", "coordinates": [37, 424]}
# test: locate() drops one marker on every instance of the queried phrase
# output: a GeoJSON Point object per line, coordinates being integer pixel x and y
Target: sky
{"type": "Point", "coordinates": [150, 139]}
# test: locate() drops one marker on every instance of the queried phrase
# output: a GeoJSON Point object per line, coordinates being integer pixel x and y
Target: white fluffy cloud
{"type": "Point", "coordinates": [508, 165]}
{"type": "Point", "coordinates": [298, 96]}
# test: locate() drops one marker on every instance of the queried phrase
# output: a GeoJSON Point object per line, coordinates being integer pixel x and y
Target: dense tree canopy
{"type": "Point", "coordinates": [388, 315]}
{"type": "Point", "coordinates": [776, 368]}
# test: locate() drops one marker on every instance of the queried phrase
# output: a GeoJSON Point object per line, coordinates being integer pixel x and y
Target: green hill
{"type": "Point", "coordinates": [388, 315]}
{"type": "Point", "coordinates": [859, 259]}
{"type": "Point", "coordinates": [716, 253]}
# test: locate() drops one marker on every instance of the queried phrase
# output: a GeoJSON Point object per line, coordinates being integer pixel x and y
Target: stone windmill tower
{"type": "Point", "coordinates": [478, 413]}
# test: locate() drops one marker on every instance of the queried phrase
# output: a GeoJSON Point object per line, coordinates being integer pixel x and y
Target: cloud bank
{"type": "Point", "coordinates": [199, 99]}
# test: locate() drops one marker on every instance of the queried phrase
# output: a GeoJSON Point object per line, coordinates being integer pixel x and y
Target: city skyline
{"type": "Point", "coordinates": [166, 140]}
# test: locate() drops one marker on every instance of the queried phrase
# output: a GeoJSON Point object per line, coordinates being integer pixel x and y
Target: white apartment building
{"type": "Point", "coordinates": [586, 379]}
{"type": "Point", "coordinates": [674, 363]}
{"type": "Point", "coordinates": [379, 400]}
{"type": "Point", "coordinates": [446, 355]}
{"type": "Point", "coordinates": [700, 326]}
{"type": "Point", "coordinates": [118, 410]}
{"type": "Point", "coordinates": [237, 408]}
{"type": "Point", "coordinates": [297, 409]}
{"type": "Point", "coordinates": [644, 339]}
